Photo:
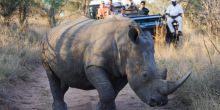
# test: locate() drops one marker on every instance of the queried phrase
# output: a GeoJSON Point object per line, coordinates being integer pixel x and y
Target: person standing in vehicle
{"type": "Point", "coordinates": [102, 11]}
{"type": "Point", "coordinates": [143, 10]}
{"type": "Point", "coordinates": [130, 5]}
{"type": "Point", "coordinates": [174, 12]}
{"type": "Point", "coordinates": [123, 11]}
{"type": "Point", "coordinates": [110, 8]}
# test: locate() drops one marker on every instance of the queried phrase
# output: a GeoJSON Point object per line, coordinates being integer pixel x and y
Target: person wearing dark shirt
{"type": "Point", "coordinates": [143, 10]}
{"type": "Point", "coordinates": [110, 8]}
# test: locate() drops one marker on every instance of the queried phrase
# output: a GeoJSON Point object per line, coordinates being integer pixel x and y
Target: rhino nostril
{"type": "Point", "coordinates": [165, 101]}
{"type": "Point", "coordinates": [153, 100]}
{"type": "Point", "coordinates": [158, 102]}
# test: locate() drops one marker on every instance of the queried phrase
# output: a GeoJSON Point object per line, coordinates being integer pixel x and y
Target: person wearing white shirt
{"type": "Point", "coordinates": [174, 12]}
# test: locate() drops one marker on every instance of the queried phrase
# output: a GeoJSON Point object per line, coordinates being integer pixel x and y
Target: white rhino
{"type": "Point", "coordinates": [104, 55]}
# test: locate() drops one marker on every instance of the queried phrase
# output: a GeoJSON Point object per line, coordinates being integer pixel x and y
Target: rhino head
{"type": "Point", "coordinates": [147, 81]}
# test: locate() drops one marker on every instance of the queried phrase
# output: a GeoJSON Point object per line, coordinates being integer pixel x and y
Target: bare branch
{"type": "Point", "coordinates": [207, 51]}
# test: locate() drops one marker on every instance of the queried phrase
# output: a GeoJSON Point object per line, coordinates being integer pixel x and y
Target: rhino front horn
{"type": "Point", "coordinates": [174, 85]}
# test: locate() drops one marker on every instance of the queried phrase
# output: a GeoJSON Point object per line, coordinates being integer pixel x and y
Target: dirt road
{"type": "Point", "coordinates": [33, 93]}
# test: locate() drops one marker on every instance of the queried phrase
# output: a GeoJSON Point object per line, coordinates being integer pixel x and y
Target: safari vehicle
{"type": "Point", "coordinates": [93, 9]}
{"type": "Point", "coordinates": [146, 22]}
{"type": "Point", "coordinates": [94, 5]}
{"type": "Point", "coordinates": [149, 22]}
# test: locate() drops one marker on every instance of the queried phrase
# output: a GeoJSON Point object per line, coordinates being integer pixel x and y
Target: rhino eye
{"type": "Point", "coordinates": [144, 75]}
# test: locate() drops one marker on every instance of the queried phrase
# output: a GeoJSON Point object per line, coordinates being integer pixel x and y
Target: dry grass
{"type": "Point", "coordinates": [19, 52]}
{"type": "Point", "coordinates": [202, 90]}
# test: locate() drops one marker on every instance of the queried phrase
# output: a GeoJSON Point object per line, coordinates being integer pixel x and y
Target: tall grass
{"type": "Point", "coordinates": [19, 52]}
{"type": "Point", "coordinates": [202, 90]}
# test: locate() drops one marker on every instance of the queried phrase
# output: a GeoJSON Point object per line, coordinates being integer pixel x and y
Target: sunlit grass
{"type": "Point", "coordinates": [19, 52]}
{"type": "Point", "coordinates": [202, 90]}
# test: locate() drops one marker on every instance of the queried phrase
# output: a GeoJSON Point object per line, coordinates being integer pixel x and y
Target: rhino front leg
{"type": "Point", "coordinates": [100, 80]}
{"type": "Point", "coordinates": [57, 89]}
{"type": "Point", "coordinates": [119, 84]}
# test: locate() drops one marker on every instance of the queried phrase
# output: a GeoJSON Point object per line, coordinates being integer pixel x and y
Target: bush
{"type": "Point", "coordinates": [19, 52]}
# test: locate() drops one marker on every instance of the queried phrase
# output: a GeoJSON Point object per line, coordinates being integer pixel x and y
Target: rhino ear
{"type": "Point", "coordinates": [133, 34]}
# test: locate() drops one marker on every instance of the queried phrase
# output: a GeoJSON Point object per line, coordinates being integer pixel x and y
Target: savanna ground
{"type": "Point", "coordinates": [24, 85]}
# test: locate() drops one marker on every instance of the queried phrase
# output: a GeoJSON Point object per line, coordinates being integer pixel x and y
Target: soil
{"type": "Point", "coordinates": [33, 93]}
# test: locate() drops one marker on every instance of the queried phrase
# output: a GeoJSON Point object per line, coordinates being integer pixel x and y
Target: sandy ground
{"type": "Point", "coordinates": [33, 93]}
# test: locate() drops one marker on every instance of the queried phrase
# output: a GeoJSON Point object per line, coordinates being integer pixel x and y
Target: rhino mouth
{"type": "Point", "coordinates": [157, 102]}
{"type": "Point", "coordinates": [153, 103]}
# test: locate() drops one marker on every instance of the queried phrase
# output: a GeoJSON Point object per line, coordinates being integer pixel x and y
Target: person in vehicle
{"type": "Point", "coordinates": [143, 10]}
{"type": "Point", "coordinates": [174, 13]}
{"type": "Point", "coordinates": [102, 11]}
{"type": "Point", "coordinates": [123, 11]}
{"type": "Point", "coordinates": [110, 8]}
{"type": "Point", "coordinates": [130, 6]}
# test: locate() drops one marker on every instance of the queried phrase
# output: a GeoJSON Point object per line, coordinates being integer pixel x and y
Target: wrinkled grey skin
{"type": "Point", "coordinates": [104, 55]}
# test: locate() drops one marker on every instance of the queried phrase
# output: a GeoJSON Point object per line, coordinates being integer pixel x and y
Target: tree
{"type": "Point", "coordinates": [85, 6]}
{"type": "Point", "coordinates": [23, 11]}
{"type": "Point", "coordinates": [7, 7]}
{"type": "Point", "coordinates": [52, 7]}
{"type": "Point", "coordinates": [205, 13]}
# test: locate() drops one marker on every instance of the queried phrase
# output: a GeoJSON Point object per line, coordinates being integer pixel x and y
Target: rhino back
{"type": "Point", "coordinates": [63, 50]}
{"type": "Point", "coordinates": [71, 47]}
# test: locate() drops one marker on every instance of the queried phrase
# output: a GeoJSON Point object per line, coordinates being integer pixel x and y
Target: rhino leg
{"type": "Point", "coordinates": [119, 84]}
{"type": "Point", "coordinates": [100, 80]}
{"type": "Point", "coordinates": [57, 89]}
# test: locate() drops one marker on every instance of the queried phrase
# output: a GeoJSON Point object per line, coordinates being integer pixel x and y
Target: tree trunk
{"type": "Point", "coordinates": [51, 17]}
{"type": "Point", "coordinates": [85, 6]}
{"type": "Point", "coordinates": [51, 14]}
{"type": "Point", "coordinates": [23, 12]}
{"type": "Point", "coordinates": [7, 20]}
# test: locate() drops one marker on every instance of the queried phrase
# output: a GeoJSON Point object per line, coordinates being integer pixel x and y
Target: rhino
{"type": "Point", "coordinates": [104, 55]}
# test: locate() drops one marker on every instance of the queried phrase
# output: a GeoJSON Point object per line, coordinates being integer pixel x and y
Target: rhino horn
{"type": "Point", "coordinates": [174, 85]}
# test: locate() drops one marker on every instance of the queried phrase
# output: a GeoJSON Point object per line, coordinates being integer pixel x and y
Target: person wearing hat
{"type": "Point", "coordinates": [102, 10]}
{"type": "Point", "coordinates": [174, 12]}
{"type": "Point", "coordinates": [143, 10]}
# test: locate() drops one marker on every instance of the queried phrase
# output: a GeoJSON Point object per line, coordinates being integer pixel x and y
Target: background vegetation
{"type": "Point", "coordinates": [23, 24]}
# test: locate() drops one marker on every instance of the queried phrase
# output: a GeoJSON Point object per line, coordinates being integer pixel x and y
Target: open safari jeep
{"type": "Point", "coordinates": [149, 23]}
{"type": "Point", "coordinates": [146, 22]}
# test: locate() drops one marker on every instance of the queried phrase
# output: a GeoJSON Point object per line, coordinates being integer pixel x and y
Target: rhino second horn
{"type": "Point", "coordinates": [174, 85]}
